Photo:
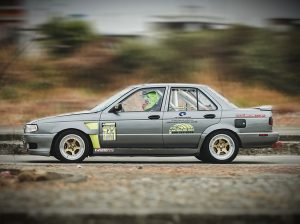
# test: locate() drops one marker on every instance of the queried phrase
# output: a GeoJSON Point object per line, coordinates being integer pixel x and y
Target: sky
{"type": "Point", "coordinates": [133, 16]}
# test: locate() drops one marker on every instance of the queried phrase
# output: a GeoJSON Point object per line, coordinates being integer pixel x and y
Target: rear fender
{"type": "Point", "coordinates": [216, 127]}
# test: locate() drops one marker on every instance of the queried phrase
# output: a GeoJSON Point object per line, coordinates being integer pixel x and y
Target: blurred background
{"type": "Point", "coordinates": [61, 56]}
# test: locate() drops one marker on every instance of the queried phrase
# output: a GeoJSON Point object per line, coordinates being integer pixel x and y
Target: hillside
{"type": "Point", "coordinates": [32, 88]}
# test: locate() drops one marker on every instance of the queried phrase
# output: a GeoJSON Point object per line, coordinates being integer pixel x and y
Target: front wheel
{"type": "Point", "coordinates": [71, 146]}
{"type": "Point", "coordinates": [220, 147]}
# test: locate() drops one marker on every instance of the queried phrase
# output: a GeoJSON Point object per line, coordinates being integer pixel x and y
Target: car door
{"type": "Point", "coordinates": [189, 113]}
{"type": "Point", "coordinates": [138, 124]}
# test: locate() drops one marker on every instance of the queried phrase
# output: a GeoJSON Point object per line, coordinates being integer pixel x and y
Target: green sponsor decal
{"type": "Point", "coordinates": [94, 137]}
{"type": "Point", "coordinates": [95, 141]}
{"type": "Point", "coordinates": [91, 125]}
{"type": "Point", "coordinates": [182, 128]}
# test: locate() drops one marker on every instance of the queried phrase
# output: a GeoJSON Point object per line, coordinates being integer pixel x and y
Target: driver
{"type": "Point", "coordinates": [152, 100]}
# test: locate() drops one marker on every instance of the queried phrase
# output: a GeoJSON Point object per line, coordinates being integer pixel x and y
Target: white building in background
{"type": "Point", "coordinates": [188, 23]}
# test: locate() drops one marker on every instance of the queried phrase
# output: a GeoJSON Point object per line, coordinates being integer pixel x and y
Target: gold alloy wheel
{"type": "Point", "coordinates": [221, 146]}
{"type": "Point", "coordinates": [72, 147]}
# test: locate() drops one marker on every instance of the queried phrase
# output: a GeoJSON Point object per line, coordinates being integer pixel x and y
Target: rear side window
{"type": "Point", "coordinates": [204, 103]}
{"type": "Point", "coordinates": [189, 99]}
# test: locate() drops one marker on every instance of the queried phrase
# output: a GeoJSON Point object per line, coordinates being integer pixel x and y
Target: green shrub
{"type": "Point", "coordinates": [133, 55]}
{"type": "Point", "coordinates": [272, 59]}
{"type": "Point", "coordinates": [9, 93]}
{"type": "Point", "coordinates": [64, 35]}
{"type": "Point", "coordinates": [40, 85]}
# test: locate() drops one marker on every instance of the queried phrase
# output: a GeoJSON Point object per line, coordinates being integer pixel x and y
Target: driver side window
{"type": "Point", "coordinates": [144, 100]}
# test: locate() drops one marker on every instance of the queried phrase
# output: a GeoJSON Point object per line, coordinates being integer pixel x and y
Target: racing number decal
{"type": "Point", "coordinates": [109, 131]}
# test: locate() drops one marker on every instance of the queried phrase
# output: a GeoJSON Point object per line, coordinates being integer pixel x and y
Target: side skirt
{"type": "Point", "coordinates": [146, 152]}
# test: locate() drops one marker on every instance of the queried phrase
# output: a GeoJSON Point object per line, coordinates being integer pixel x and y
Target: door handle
{"type": "Point", "coordinates": [209, 116]}
{"type": "Point", "coordinates": [154, 117]}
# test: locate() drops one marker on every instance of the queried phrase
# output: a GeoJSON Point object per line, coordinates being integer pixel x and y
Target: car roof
{"type": "Point", "coordinates": [220, 99]}
{"type": "Point", "coordinates": [169, 84]}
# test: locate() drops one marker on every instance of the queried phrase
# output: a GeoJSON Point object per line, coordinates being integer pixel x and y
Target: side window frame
{"type": "Point", "coordinates": [141, 89]}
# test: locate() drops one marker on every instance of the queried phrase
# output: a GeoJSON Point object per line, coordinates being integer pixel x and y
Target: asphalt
{"type": "Point", "coordinates": [178, 161]}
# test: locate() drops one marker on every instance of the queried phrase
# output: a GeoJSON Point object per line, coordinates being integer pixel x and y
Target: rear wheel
{"type": "Point", "coordinates": [220, 147]}
{"type": "Point", "coordinates": [71, 146]}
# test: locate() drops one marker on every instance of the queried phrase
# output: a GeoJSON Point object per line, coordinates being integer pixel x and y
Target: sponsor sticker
{"type": "Point", "coordinates": [251, 115]}
{"type": "Point", "coordinates": [104, 150]}
{"type": "Point", "coordinates": [183, 113]}
{"type": "Point", "coordinates": [181, 128]}
{"type": "Point", "coordinates": [109, 131]}
{"type": "Point", "coordinates": [182, 120]}
{"type": "Point", "coordinates": [91, 125]}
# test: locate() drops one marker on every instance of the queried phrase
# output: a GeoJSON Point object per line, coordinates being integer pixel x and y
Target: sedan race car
{"type": "Point", "coordinates": [154, 120]}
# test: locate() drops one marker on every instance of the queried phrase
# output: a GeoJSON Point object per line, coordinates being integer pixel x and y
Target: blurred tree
{"type": "Point", "coordinates": [271, 58]}
{"type": "Point", "coordinates": [132, 55]}
{"type": "Point", "coordinates": [159, 58]}
{"type": "Point", "coordinates": [63, 36]}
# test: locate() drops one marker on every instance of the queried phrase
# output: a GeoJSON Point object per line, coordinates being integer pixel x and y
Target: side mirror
{"type": "Point", "coordinates": [116, 108]}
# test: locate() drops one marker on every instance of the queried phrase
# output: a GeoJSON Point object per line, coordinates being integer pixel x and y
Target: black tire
{"type": "Point", "coordinates": [202, 159]}
{"type": "Point", "coordinates": [206, 154]}
{"type": "Point", "coordinates": [198, 157]}
{"type": "Point", "coordinates": [85, 144]}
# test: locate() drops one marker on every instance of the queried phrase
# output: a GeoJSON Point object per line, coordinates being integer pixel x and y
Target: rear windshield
{"type": "Point", "coordinates": [222, 98]}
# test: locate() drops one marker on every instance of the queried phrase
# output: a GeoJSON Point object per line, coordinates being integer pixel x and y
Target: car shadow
{"type": "Point", "coordinates": [147, 162]}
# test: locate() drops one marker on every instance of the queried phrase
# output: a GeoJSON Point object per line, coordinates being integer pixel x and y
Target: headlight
{"type": "Point", "coordinates": [30, 128]}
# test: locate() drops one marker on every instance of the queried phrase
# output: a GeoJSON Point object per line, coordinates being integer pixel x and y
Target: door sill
{"type": "Point", "coordinates": [145, 152]}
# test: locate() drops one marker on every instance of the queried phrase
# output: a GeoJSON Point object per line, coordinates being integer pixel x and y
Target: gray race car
{"type": "Point", "coordinates": [154, 120]}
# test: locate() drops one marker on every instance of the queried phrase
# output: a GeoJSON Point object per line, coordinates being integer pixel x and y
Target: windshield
{"type": "Point", "coordinates": [111, 99]}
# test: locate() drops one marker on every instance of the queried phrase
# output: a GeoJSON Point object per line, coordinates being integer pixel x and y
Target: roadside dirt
{"type": "Point", "coordinates": [110, 192]}
{"type": "Point", "coordinates": [105, 176]}
{"type": "Point", "coordinates": [17, 177]}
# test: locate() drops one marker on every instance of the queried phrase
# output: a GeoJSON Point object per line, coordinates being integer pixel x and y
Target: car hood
{"type": "Point", "coordinates": [80, 115]}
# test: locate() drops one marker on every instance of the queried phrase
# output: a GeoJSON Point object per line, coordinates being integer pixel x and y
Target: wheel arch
{"type": "Point", "coordinates": [202, 140]}
{"type": "Point", "coordinates": [70, 129]}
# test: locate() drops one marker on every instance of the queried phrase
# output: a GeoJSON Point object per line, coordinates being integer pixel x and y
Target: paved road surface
{"type": "Point", "coordinates": [253, 189]}
{"type": "Point", "coordinates": [179, 161]}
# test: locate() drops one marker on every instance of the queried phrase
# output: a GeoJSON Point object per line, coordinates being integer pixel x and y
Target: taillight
{"type": "Point", "coordinates": [271, 121]}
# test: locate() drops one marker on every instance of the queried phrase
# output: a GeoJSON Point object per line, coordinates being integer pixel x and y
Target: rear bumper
{"type": "Point", "coordinates": [264, 139]}
{"type": "Point", "coordinates": [38, 144]}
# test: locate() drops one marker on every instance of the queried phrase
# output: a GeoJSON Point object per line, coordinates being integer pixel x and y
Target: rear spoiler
{"type": "Point", "coordinates": [264, 108]}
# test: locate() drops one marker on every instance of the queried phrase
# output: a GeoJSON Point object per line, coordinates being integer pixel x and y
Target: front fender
{"type": "Point", "coordinates": [53, 128]}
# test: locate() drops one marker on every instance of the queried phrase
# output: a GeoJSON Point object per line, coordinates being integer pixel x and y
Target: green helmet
{"type": "Point", "coordinates": [152, 98]}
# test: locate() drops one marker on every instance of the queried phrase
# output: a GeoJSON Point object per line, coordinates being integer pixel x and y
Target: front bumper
{"type": "Point", "coordinates": [264, 139]}
{"type": "Point", "coordinates": [38, 144]}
